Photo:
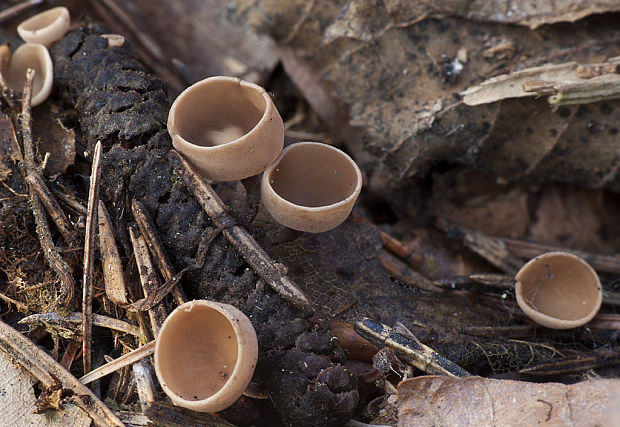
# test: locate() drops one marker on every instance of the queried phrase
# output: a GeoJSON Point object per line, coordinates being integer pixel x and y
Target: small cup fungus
{"type": "Point", "coordinates": [227, 128]}
{"type": "Point", "coordinates": [559, 290]}
{"type": "Point", "coordinates": [34, 56]}
{"type": "Point", "coordinates": [205, 355]}
{"type": "Point", "coordinates": [311, 187]}
{"type": "Point", "coordinates": [46, 27]}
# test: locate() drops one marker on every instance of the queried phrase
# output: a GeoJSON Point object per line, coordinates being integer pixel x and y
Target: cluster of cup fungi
{"type": "Point", "coordinates": [230, 129]}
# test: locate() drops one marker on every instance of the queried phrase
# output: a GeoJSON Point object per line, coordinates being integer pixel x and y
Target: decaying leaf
{"type": "Point", "coordinates": [532, 13]}
{"type": "Point", "coordinates": [19, 405]}
{"type": "Point", "coordinates": [397, 70]}
{"type": "Point", "coordinates": [475, 401]}
{"type": "Point", "coordinates": [54, 138]}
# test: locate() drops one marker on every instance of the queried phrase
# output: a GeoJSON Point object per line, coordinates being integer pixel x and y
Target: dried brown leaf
{"type": "Point", "coordinates": [18, 403]}
{"type": "Point", "coordinates": [475, 401]}
{"type": "Point", "coordinates": [394, 68]}
{"type": "Point", "coordinates": [54, 138]}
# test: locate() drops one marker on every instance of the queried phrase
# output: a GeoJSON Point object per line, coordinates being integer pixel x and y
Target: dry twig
{"type": "Point", "coordinates": [145, 223]}
{"type": "Point", "coordinates": [18, 8]}
{"type": "Point", "coordinates": [46, 370]}
{"type": "Point", "coordinates": [125, 360]}
{"type": "Point", "coordinates": [148, 277]}
{"type": "Point", "coordinates": [89, 255]}
{"type": "Point", "coordinates": [144, 384]}
{"type": "Point", "coordinates": [45, 237]}
{"type": "Point", "coordinates": [98, 320]}
{"type": "Point", "coordinates": [238, 236]}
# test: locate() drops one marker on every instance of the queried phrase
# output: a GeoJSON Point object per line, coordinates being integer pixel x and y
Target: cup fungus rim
{"type": "Point", "coordinates": [545, 319]}
{"type": "Point", "coordinates": [43, 54]}
{"type": "Point", "coordinates": [222, 309]}
{"type": "Point", "coordinates": [351, 197]}
{"type": "Point", "coordinates": [63, 14]}
{"type": "Point", "coordinates": [269, 107]}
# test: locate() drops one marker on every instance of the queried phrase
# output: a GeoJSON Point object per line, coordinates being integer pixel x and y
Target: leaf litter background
{"type": "Point", "coordinates": [380, 75]}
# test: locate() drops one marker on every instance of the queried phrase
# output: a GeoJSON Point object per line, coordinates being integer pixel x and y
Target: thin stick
{"type": "Point", "coordinates": [397, 268]}
{"type": "Point", "coordinates": [18, 8]}
{"type": "Point", "coordinates": [45, 369]}
{"type": "Point", "coordinates": [148, 277]}
{"type": "Point", "coordinates": [144, 384]}
{"type": "Point", "coordinates": [410, 350]}
{"type": "Point", "coordinates": [53, 208]}
{"type": "Point", "coordinates": [394, 245]}
{"type": "Point", "coordinates": [147, 227]}
{"type": "Point", "coordinates": [98, 320]}
{"type": "Point", "coordinates": [113, 277]}
{"type": "Point", "coordinates": [270, 271]}
{"type": "Point", "coordinates": [70, 353]}
{"type": "Point", "coordinates": [125, 360]}
{"type": "Point", "coordinates": [45, 237]}
{"type": "Point", "coordinates": [89, 259]}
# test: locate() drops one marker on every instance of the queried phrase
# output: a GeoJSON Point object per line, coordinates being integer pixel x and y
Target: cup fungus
{"type": "Point", "coordinates": [46, 27]}
{"type": "Point", "coordinates": [34, 56]}
{"type": "Point", "coordinates": [205, 355]}
{"type": "Point", "coordinates": [311, 187]}
{"type": "Point", "coordinates": [559, 290]}
{"type": "Point", "coordinates": [227, 128]}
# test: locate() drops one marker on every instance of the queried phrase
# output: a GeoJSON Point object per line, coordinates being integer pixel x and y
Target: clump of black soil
{"type": "Point", "coordinates": [115, 97]}
{"type": "Point", "coordinates": [120, 103]}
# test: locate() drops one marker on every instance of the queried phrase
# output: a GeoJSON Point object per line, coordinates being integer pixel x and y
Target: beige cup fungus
{"type": "Point", "coordinates": [559, 290]}
{"type": "Point", "coordinates": [34, 56]}
{"type": "Point", "coordinates": [205, 355]}
{"type": "Point", "coordinates": [46, 27]}
{"type": "Point", "coordinates": [311, 187]}
{"type": "Point", "coordinates": [227, 128]}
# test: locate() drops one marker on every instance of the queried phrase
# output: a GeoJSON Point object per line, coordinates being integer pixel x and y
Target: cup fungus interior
{"type": "Point", "coordinates": [313, 175]}
{"type": "Point", "coordinates": [218, 112]}
{"type": "Point", "coordinates": [197, 352]}
{"type": "Point", "coordinates": [27, 56]}
{"type": "Point", "coordinates": [560, 286]}
{"type": "Point", "coordinates": [43, 19]}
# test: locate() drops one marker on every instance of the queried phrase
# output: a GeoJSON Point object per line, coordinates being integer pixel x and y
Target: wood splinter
{"type": "Point", "coordinates": [89, 259]}
{"type": "Point", "coordinates": [148, 276]}
{"type": "Point", "coordinates": [238, 236]}
{"type": "Point", "coordinates": [145, 223]}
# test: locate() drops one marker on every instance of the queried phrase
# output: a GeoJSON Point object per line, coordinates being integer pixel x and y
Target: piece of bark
{"type": "Point", "coordinates": [433, 400]}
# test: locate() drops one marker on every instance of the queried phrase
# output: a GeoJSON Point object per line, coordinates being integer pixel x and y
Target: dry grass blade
{"type": "Point", "coordinates": [238, 236]}
{"type": "Point", "coordinates": [148, 277]}
{"type": "Point", "coordinates": [147, 228]}
{"type": "Point", "coordinates": [411, 350]}
{"type": "Point", "coordinates": [397, 268]}
{"type": "Point", "coordinates": [45, 369]}
{"type": "Point", "coordinates": [45, 237]}
{"type": "Point", "coordinates": [113, 276]}
{"type": "Point", "coordinates": [125, 360]}
{"type": "Point", "coordinates": [98, 320]}
{"type": "Point", "coordinates": [89, 255]}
